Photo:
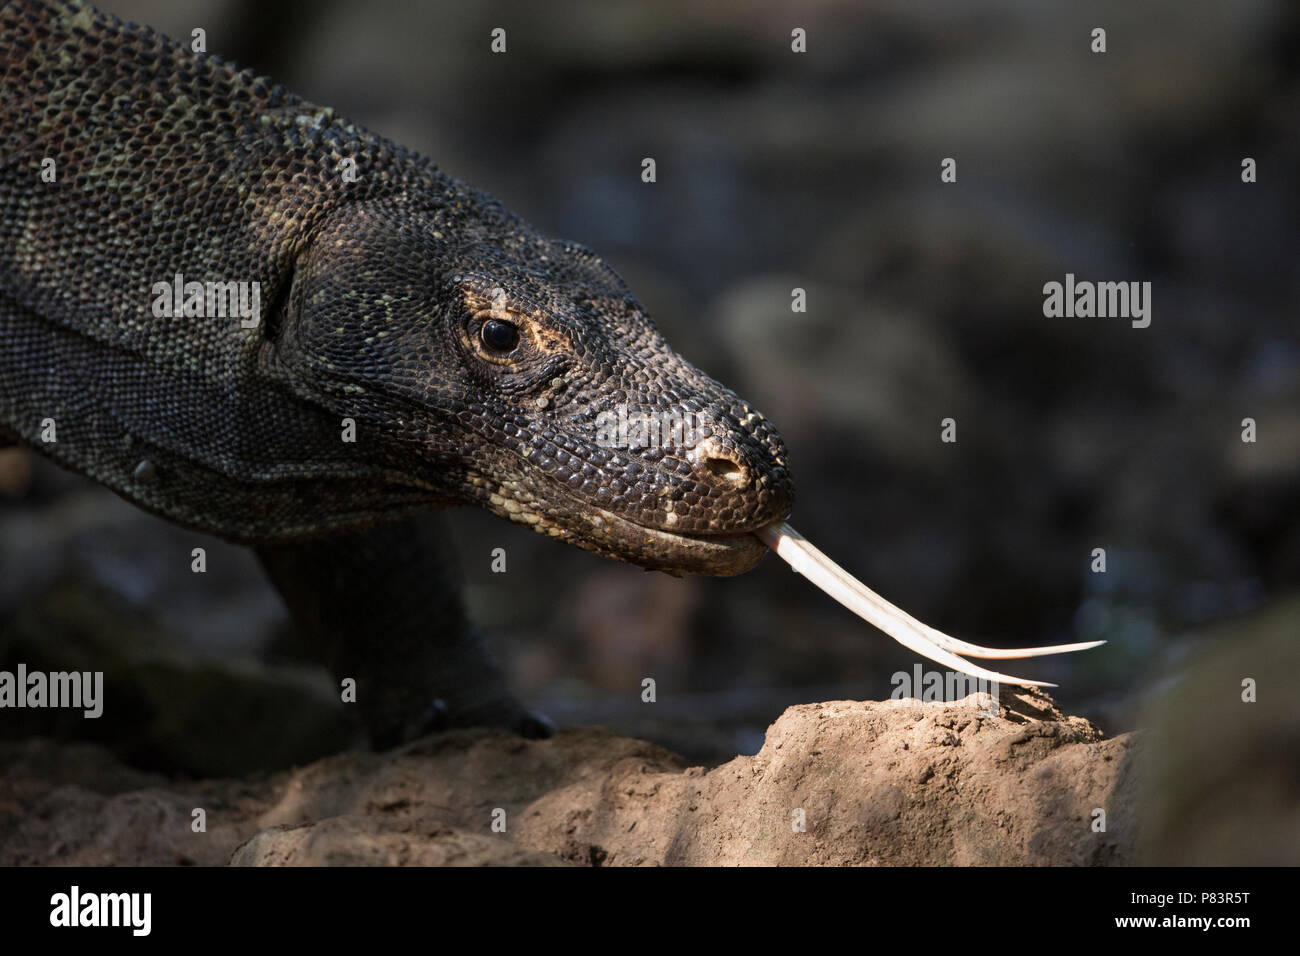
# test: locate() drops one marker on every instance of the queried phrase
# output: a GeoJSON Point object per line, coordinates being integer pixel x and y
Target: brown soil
{"type": "Point", "coordinates": [875, 783]}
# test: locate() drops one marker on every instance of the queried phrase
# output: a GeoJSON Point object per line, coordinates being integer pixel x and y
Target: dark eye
{"type": "Point", "coordinates": [499, 336]}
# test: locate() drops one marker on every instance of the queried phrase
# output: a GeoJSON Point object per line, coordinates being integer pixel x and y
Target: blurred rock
{"type": "Point", "coordinates": [823, 377]}
{"type": "Point", "coordinates": [15, 472]}
{"type": "Point", "coordinates": [164, 707]}
{"type": "Point", "coordinates": [1221, 777]}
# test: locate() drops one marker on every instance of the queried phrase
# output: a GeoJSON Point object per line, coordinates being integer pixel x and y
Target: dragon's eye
{"type": "Point", "coordinates": [499, 336]}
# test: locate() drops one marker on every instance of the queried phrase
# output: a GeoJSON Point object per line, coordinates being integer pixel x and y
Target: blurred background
{"type": "Point", "coordinates": [924, 302]}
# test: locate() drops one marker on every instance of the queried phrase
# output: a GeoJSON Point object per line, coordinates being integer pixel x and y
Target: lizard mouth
{"type": "Point", "coordinates": [721, 554]}
{"type": "Point", "coordinates": [593, 528]}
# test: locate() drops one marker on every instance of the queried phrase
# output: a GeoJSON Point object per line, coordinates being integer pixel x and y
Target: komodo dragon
{"type": "Point", "coordinates": [469, 359]}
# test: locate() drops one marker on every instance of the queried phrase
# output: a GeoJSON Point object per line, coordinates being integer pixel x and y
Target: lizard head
{"type": "Point", "coordinates": [495, 366]}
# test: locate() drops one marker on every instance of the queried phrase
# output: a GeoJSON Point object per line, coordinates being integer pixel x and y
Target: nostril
{"type": "Point", "coordinates": [723, 468]}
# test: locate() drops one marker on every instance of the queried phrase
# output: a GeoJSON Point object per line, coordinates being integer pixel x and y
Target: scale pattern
{"type": "Point", "coordinates": [374, 289]}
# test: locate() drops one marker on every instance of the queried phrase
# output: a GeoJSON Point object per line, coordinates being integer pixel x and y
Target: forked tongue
{"type": "Point", "coordinates": [799, 553]}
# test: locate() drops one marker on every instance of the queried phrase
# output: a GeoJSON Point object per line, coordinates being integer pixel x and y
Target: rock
{"type": "Point", "coordinates": [877, 783]}
{"type": "Point", "coordinates": [75, 804]}
{"type": "Point", "coordinates": [1219, 783]}
{"type": "Point", "coordinates": [165, 705]}
{"type": "Point", "coordinates": [15, 472]}
{"type": "Point", "coordinates": [368, 841]}
{"type": "Point", "coordinates": [871, 389]}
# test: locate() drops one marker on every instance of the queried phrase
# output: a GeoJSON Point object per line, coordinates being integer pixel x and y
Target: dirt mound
{"type": "Point", "coordinates": [835, 783]}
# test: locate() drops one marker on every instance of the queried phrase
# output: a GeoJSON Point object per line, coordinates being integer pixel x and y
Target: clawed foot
{"type": "Point", "coordinates": [509, 714]}
{"type": "Point", "coordinates": [535, 726]}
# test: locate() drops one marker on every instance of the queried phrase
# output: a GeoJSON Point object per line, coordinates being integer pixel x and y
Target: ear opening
{"type": "Point", "coordinates": [277, 312]}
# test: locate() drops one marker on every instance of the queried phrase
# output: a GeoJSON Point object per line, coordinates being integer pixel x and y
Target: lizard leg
{"type": "Point", "coordinates": [383, 607]}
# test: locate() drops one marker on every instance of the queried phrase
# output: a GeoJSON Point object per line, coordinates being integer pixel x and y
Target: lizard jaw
{"type": "Point", "coordinates": [722, 555]}
{"type": "Point", "coordinates": [613, 536]}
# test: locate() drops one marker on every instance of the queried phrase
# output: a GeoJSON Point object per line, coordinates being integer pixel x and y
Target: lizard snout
{"type": "Point", "coordinates": [739, 471]}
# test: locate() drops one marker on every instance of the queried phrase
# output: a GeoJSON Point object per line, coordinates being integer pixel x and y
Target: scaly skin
{"type": "Point", "coordinates": [375, 291]}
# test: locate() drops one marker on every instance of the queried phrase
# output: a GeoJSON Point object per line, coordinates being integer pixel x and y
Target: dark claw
{"type": "Point", "coordinates": [535, 726]}
{"type": "Point", "coordinates": [432, 720]}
